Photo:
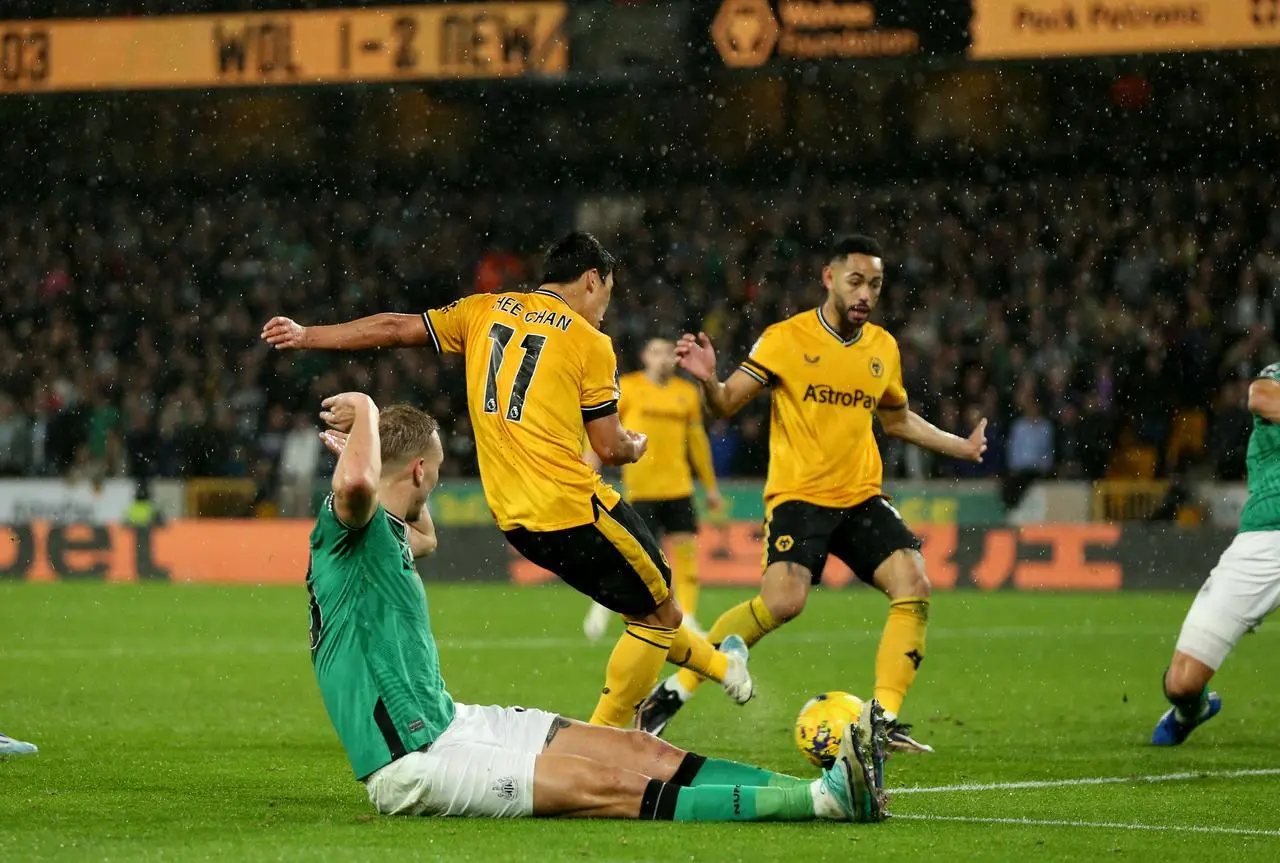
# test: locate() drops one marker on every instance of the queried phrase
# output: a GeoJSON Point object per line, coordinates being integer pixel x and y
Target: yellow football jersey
{"type": "Point", "coordinates": [671, 415]}
{"type": "Point", "coordinates": [536, 372]}
{"type": "Point", "coordinates": [822, 449]}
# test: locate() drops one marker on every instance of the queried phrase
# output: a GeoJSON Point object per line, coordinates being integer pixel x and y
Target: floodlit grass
{"type": "Point", "coordinates": [183, 723]}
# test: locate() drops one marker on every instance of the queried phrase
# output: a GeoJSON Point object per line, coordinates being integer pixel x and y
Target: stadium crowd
{"type": "Point", "coordinates": [1104, 324]}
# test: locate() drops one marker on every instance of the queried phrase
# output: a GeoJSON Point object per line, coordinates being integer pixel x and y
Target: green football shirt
{"type": "Point", "coordinates": [371, 643]}
{"type": "Point", "coordinates": [1262, 509]}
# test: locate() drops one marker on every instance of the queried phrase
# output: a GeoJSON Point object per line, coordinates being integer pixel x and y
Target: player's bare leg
{"type": "Point", "coordinates": [1187, 676]}
{"type": "Point", "coordinates": [1238, 594]}
{"type": "Point", "coordinates": [576, 787]}
{"type": "Point", "coordinates": [593, 772]}
{"type": "Point", "coordinates": [901, 577]}
{"type": "Point", "coordinates": [783, 594]}
{"type": "Point", "coordinates": [1186, 686]}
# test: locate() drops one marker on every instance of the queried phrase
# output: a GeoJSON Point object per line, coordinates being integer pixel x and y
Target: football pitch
{"type": "Point", "coordinates": [183, 723]}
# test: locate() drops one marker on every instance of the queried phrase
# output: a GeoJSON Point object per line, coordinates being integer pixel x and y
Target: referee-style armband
{"type": "Point", "coordinates": [759, 372]}
{"type": "Point", "coordinates": [595, 412]}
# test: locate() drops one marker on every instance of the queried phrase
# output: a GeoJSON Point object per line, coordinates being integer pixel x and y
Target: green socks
{"type": "Point", "coordinates": [744, 803]}
{"type": "Point", "coordinates": [665, 802]}
{"type": "Point", "coordinates": [696, 771]}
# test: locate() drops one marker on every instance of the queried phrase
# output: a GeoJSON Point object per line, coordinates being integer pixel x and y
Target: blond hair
{"type": "Point", "coordinates": [405, 432]}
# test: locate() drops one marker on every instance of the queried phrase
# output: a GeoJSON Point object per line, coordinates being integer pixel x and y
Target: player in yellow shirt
{"type": "Point", "coordinates": [668, 411]}
{"type": "Point", "coordinates": [539, 372]}
{"type": "Point", "coordinates": [828, 371]}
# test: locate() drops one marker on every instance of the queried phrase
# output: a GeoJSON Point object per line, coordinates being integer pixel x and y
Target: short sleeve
{"type": "Point", "coordinates": [1270, 373]}
{"type": "Point", "coordinates": [447, 326]}
{"type": "Point", "coordinates": [599, 379]}
{"type": "Point", "coordinates": [766, 358]}
{"type": "Point", "coordinates": [895, 394]}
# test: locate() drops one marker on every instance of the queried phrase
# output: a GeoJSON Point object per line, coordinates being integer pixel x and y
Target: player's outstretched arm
{"type": "Point", "coordinates": [905, 424]}
{"type": "Point", "coordinates": [724, 399]}
{"type": "Point", "coordinates": [387, 330]}
{"type": "Point", "coordinates": [355, 479]}
{"type": "Point", "coordinates": [613, 444]}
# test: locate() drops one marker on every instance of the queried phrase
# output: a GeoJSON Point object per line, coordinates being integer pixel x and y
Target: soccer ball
{"type": "Point", "coordinates": [821, 724]}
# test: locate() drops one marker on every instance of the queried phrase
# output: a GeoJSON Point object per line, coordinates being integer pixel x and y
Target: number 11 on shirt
{"type": "Point", "coordinates": [500, 336]}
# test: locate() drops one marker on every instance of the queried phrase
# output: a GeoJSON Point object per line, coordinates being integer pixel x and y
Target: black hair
{"type": "Point", "coordinates": [857, 244]}
{"type": "Point", "coordinates": [574, 254]}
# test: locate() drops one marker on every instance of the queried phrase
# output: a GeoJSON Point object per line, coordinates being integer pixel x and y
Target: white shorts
{"type": "Point", "coordinates": [481, 766]}
{"type": "Point", "coordinates": [1241, 590]}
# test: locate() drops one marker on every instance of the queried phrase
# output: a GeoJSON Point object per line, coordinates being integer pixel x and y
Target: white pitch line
{"type": "Point", "coordinates": [1090, 780]}
{"type": "Point", "coordinates": [1102, 825]}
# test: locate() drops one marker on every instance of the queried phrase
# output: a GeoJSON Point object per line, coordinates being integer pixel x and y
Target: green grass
{"type": "Point", "coordinates": [182, 723]}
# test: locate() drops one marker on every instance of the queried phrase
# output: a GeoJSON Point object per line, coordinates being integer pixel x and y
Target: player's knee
{"type": "Point", "coordinates": [902, 576]}
{"type": "Point", "coordinates": [668, 614]}
{"type": "Point", "coordinates": [784, 601]}
{"type": "Point", "coordinates": [650, 749]}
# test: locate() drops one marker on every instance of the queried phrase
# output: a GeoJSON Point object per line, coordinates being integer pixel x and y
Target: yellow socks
{"type": "Point", "coordinates": [901, 651]}
{"type": "Point", "coordinates": [751, 620]}
{"type": "Point", "coordinates": [694, 652]}
{"type": "Point", "coordinates": [684, 575]}
{"type": "Point", "coordinates": [633, 670]}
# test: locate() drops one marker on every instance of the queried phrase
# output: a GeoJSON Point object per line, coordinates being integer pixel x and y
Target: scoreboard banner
{"type": "Point", "coordinates": [388, 44]}
{"type": "Point", "coordinates": [1029, 29]}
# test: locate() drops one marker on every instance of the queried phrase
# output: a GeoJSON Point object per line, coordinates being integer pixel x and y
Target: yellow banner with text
{"type": "Point", "coordinates": [1007, 30]}
{"type": "Point", "coordinates": [401, 43]}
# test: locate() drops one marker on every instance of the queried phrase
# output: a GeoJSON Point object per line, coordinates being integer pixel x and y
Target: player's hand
{"type": "Point", "coordinates": [339, 412]}
{"type": "Point", "coordinates": [284, 334]}
{"type": "Point", "coordinates": [697, 356]}
{"type": "Point", "coordinates": [715, 502]}
{"type": "Point", "coordinates": [334, 441]}
{"type": "Point", "coordinates": [976, 443]}
{"type": "Point", "coordinates": [639, 444]}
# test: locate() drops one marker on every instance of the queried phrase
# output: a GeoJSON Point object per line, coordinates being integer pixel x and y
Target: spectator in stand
{"type": "Point", "coordinates": [299, 458]}
{"type": "Point", "coordinates": [1109, 296]}
{"type": "Point", "coordinates": [1030, 454]}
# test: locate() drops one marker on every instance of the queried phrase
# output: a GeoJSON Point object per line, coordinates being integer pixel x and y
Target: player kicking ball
{"type": "Point", "coordinates": [540, 374]}
{"type": "Point", "coordinates": [1241, 590]}
{"type": "Point", "coordinates": [420, 753]}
